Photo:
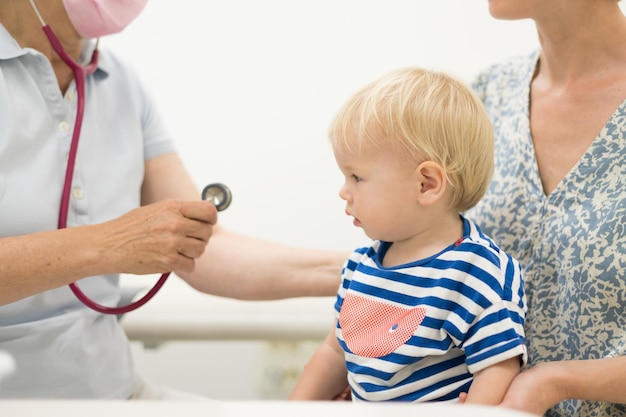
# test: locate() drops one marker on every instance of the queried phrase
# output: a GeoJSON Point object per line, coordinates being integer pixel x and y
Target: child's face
{"type": "Point", "coordinates": [380, 191]}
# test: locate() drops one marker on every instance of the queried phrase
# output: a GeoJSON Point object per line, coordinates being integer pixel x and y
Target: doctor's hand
{"type": "Point", "coordinates": [161, 237]}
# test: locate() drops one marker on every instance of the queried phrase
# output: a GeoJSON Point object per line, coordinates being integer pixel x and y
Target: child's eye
{"type": "Point", "coordinates": [356, 178]}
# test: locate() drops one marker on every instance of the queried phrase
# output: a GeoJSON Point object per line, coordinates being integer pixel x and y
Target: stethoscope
{"type": "Point", "coordinates": [216, 193]}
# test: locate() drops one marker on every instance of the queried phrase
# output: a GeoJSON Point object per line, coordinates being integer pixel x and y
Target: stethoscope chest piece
{"type": "Point", "coordinates": [218, 194]}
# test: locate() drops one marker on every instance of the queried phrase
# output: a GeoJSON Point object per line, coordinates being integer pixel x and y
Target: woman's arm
{"type": "Point", "coordinates": [537, 389]}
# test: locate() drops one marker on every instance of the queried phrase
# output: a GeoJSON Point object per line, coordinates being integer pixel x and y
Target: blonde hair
{"type": "Point", "coordinates": [425, 115]}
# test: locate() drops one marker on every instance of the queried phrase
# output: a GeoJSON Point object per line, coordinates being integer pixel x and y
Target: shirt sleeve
{"type": "Point", "coordinates": [497, 332]}
{"type": "Point", "coordinates": [495, 336]}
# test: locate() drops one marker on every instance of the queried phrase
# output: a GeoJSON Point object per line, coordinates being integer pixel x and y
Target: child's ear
{"type": "Point", "coordinates": [431, 182]}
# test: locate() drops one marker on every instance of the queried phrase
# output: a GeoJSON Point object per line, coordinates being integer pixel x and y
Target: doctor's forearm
{"type": "Point", "coordinates": [30, 264]}
{"type": "Point", "coordinates": [239, 266]}
{"type": "Point", "coordinates": [146, 240]}
{"type": "Point", "coordinates": [243, 267]}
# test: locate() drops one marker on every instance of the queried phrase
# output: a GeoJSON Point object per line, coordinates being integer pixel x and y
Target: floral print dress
{"type": "Point", "coordinates": [571, 244]}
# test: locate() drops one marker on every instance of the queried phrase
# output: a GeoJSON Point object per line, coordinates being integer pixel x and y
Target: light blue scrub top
{"type": "Point", "coordinates": [63, 349]}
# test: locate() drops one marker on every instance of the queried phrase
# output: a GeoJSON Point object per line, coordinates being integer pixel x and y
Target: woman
{"type": "Point", "coordinates": [558, 201]}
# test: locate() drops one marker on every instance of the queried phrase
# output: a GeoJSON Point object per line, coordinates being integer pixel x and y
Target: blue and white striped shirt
{"type": "Point", "coordinates": [418, 331]}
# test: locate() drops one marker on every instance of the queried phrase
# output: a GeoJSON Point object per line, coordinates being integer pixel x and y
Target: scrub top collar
{"type": "Point", "coordinates": [10, 49]}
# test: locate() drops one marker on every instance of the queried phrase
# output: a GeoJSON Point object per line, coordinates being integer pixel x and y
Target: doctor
{"type": "Point", "coordinates": [132, 208]}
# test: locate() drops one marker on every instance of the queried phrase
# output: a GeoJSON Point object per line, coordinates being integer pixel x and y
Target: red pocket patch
{"type": "Point", "coordinates": [374, 329]}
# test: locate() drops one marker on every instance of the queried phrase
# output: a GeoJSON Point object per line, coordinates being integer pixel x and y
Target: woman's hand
{"type": "Point", "coordinates": [531, 391]}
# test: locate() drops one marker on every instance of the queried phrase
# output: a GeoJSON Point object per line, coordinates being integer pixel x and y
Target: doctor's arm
{"type": "Point", "coordinates": [239, 266]}
{"type": "Point", "coordinates": [156, 238]}
{"type": "Point", "coordinates": [38, 262]}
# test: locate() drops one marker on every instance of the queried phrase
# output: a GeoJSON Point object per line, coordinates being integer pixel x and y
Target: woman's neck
{"type": "Point", "coordinates": [582, 44]}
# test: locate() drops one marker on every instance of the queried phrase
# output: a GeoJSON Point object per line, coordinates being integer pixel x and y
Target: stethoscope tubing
{"type": "Point", "coordinates": [219, 194]}
{"type": "Point", "coordinates": [80, 75]}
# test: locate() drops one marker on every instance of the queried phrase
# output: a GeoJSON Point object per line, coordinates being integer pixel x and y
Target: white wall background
{"type": "Point", "coordinates": [248, 88]}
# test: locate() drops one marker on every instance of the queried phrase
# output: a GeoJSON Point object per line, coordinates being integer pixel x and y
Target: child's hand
{"type": "Point", "coordinates": [346, 395]}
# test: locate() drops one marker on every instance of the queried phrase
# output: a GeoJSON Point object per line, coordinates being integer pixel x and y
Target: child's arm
{"type": "Point", "coordinates": [490, 384]}
{"type": "Point", "coordinates": [324, 376]}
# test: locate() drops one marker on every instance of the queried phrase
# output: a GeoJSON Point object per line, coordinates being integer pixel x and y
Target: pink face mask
{"type": "Point", "coordinates": [96, 18]}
